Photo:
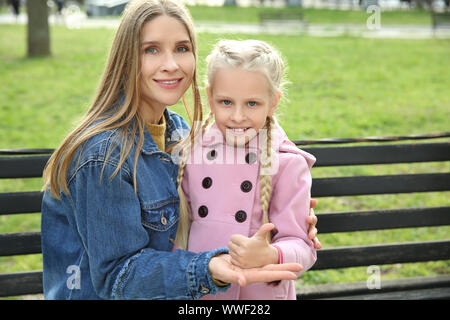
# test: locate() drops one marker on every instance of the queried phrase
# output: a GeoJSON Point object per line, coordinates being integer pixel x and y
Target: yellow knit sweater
{"type": "Point", "coordinates": [157, 131]}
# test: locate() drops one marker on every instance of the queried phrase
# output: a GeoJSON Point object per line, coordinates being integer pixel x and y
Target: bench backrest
{"type": "Point", "coordinates": [26, 166]}
{"type": "Point", "coordinates": [278, 16]}
{"type": "Point", "coordinates": [441, 19]}
{"type": "Point", "coordinates": [382, 219]}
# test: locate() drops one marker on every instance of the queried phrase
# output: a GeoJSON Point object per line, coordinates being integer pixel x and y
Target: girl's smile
{"type": "Point", "coordinates": [238, 131]}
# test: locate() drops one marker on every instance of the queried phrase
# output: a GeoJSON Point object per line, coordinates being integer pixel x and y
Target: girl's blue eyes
{"type": "Point", "coordinates": [250, 103]}
{"type": "Point", "coordinates": [182, 49]}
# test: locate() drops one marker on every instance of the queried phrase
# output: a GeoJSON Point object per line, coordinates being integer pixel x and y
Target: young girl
{"type": "Point", "coordinates": [244, 172]}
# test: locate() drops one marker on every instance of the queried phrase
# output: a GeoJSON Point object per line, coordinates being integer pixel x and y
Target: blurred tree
{"type": "Point", "coordinates": [38, 31]}
{"type": "Point", "coordinates": [423, 3]}
{"type": "Point", "coordinates": [293, 3]}
{"type": "Point", "coordinates": [229, 3]}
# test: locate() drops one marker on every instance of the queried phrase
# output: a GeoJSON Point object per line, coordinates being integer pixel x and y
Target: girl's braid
{"type": "Point", "coordinates": [182, 236]}
{"type": "Point", "coordinates": [207, 121]}
{"type": "Point", "coordinates": [265, 178]}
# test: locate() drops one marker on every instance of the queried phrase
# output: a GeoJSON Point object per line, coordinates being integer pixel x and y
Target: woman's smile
{"type": "Point", "coordinates": [169, 83]}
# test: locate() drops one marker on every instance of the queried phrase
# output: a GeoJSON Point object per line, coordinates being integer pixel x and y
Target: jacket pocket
{"type": "Point", "coordinates": [160, 219]}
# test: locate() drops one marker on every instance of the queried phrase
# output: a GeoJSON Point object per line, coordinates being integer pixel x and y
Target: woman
{"type": "Point", "coordinates": [110, 206]}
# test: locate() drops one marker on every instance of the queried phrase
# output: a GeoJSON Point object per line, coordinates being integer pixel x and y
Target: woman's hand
{"type": "Point", "coordinates": [312, 221]}
{"type": "Point", "coordinates": [221, 268]}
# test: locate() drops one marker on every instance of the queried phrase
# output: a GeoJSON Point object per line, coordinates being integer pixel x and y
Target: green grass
{"type": "Point", "coordinates": [310, 15]}
{"type": "Point", "coordinates": [340, 87]}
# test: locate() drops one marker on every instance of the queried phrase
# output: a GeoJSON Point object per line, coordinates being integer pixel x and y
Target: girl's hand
{"type": "Point", "coordinates": [312, 221]}
{"type": "Point", "coordinates": [221, 268]}
{"type": "Point", "coordinates": [253, 252]}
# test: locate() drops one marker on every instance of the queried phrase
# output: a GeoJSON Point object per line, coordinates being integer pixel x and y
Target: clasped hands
{"type": "Point", "coordinates": [254, 259]}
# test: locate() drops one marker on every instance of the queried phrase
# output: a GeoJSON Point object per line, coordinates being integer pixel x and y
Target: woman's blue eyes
{"type": "Point", "coordinates": [153, 50]}
{"type": "Point", "coordinates": [226, 102]}
{"type": "Point", "coordinates": [252, 104]}
{"type": "Point", "coordinates": [150, 50]}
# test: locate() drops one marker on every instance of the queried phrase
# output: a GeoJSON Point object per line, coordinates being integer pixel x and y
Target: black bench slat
{"type": "Point", "coordinates": [18, 243]}
{"type": "Point", "coordinates": [440, 19]}
{"type": "Point", "coordinates": [389, 289]}
{"type": "Point", "coordinates": [22, 167]}
{"type": "Point", "coordinates": [20, 283]}
{"type": "Point", "coordinates": [30, 201]}
{"type": "Point", "coordinates": [369, 185]}
{"type": "Point", "coordinates": [383, 219]}
{"type": "Point", "coordinates": [20, 202]}
{"type": "Point", "coordinates": [380, 154]}
{"type": "Point", "coordinates": [414, 294]}
{"type": "Point", "coordinates": [278, 16]}
{"type": "Point", "coordinates": [32, 166]}
{"type": "Point", "coordinates": [26, 152]}
{"type": "Point", "coordinates": [357, 256]}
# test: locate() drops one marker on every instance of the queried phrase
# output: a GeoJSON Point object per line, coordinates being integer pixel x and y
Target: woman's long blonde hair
{"type": "Point", "coordinates": [249, 55]}
{"type": "Point", "coordinates": [118, 96]}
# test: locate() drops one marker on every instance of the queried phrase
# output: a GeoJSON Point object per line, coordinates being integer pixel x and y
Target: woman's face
{"type": "Point", "coordinates": [167, 65]}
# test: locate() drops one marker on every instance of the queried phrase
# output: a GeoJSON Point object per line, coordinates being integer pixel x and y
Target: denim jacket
{"type": "Point", "coordinates": [104, 241]}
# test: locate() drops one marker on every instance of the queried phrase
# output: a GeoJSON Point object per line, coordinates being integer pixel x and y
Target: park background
{"type": "Point", "coordinates": [343, 86]}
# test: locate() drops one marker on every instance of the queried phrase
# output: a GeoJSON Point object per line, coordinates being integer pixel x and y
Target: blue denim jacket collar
{"type": "Point", "coordinates": [173, 134]}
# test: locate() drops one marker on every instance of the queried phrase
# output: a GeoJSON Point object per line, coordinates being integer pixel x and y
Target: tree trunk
{"type": "Point", "coordinates": [229, 3]}
{"type": "Point", "coordinates": [293, 3]}
{"type": "Point", "coordinates": [38, 31]}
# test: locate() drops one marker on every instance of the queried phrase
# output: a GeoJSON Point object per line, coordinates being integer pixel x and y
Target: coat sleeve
{"type": "Point", "coordinates": [289, 208]}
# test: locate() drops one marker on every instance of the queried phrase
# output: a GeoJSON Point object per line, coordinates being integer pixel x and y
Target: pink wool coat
{"type": "Point", "coordinates": [221, 184]}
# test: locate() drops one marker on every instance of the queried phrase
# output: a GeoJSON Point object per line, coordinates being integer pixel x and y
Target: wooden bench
{"type": "Point", "coordinates": [281, 16]}
{"type": "Point", "coordinates": [440, 20]}
{"type": "Point", "coordinates": [22, 164]}
{"type": "Point", "coordinates": [381, 254]}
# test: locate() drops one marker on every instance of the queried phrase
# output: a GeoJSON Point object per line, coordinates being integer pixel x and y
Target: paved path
{"type": "Point", "coordinates": [318, 30]}
{"type": "Point", "coordinates": [398, 32]}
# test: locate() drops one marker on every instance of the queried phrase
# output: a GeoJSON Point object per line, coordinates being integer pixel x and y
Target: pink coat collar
{"type": "Point", "coordinates": [213, 137]}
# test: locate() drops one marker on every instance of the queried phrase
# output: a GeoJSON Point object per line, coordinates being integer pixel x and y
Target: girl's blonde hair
{"type": "Point", "coordinates": [119, 93]}
{"type": "Point", "coordinates": [249, 55]}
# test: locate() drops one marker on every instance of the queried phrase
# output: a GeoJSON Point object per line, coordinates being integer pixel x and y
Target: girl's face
{"type": "Point", "coordinates": [167, 65]}
{"type": "Point", "coordinates": [241, 102]}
